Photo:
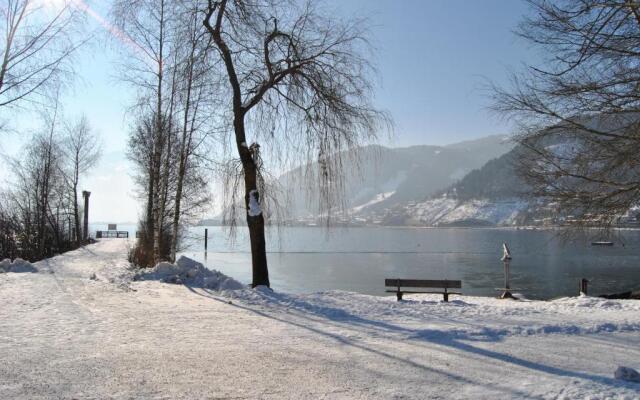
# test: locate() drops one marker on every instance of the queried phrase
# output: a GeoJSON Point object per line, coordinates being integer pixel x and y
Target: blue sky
{"type": "Point", "coordinates": [434, 57]}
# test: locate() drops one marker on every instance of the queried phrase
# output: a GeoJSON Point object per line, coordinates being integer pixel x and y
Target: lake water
{"type": "Point", "coordinates": [309, 259]}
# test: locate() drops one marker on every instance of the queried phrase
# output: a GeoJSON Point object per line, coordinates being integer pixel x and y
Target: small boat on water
{"type": "Point", "coordinates": [602, 243]}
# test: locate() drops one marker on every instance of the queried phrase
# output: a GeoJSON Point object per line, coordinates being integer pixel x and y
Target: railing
{"type": "Point", "coordinates": [112, 234]}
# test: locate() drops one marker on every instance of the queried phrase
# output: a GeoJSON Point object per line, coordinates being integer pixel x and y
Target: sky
{"type": "Point", "coordinates": [435, 59]}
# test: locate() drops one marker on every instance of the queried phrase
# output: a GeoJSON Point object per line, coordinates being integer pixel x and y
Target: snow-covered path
{"type": "Point", "coordinates": [66, 335]}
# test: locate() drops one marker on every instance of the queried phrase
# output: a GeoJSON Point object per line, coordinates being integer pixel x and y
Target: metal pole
{"type": "Point", "coordinates": [206, 238]}
{"type": "Point", "coordinates": [506, 274]}
{"type": "Point", "coordinates": [85, 228]}
{"type": "Point", "coordinates": [506, 258]}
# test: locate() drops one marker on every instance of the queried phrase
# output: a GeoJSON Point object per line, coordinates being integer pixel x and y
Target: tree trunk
{"type": "Point", "coordinates": [178, 201]}
{"type": "Point", "coordinates": [255, 218]}
{"type": "Point", "coordinates": [185, 148]}
{"type": "Point", "coordinates": [156, 206]}
{"type": "Point", "coordinates": [258, 251]}
{"type": "Point", "coordinates": [76, 216]}
{"type": "Point", "coordinates": [159, 142]}
{"type": "Point", "coordinates": [176, 218]}
{"type": "Point", "coordinates": [149, 228]}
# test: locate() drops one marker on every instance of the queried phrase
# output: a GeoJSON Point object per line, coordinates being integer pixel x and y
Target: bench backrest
{"type": "Point", "coordinates": [423, 283]}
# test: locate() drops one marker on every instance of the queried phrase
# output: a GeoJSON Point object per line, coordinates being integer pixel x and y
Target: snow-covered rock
{"type": "Point", "coordinates": [627, 374]}
{"type": "Point", "coordinates": [191, 273]}
{"type": "Point", "coordinates": [17, 266]}
{"type": "Point", "coordinates": [5, 265]}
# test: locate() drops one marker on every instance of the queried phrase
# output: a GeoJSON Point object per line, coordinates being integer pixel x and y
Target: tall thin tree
{"type": "Point", "coordinates": [81, 149]}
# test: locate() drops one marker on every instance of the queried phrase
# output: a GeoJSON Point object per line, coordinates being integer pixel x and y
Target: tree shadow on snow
{"type": "Point", "coordinates": [452, 339]}
{"type": "Point", "coordinates": [455, 339]}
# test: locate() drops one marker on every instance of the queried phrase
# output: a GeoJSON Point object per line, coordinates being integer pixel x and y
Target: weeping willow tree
{"type": "Point", "coordinates": [299, 91]}
{"type": "Point", "coordinates": [579, 113]}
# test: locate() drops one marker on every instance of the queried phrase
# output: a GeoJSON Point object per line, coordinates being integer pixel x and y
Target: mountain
{"type": "Point", "coordinates": [493, 195]}
{"type": "Point", "coordinates": [378, 179]}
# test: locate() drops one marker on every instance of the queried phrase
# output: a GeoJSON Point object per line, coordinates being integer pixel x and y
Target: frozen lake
{"type": "Point", "coordinates": [306, 259]}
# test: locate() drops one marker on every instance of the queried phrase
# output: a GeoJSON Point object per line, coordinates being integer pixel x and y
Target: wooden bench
{"type": "Point", "coordinates": [398, 284]}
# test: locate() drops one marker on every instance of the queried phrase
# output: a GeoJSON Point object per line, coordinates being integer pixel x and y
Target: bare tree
{"type": "Point", "coordinates": [579, 114]}
{"type": "Point", "coordinates": [36, 191]}
{"type": "Point", "coordinates": [169, 69]}
{"type": "Point", "coordinates": [81, 149]}
{"type": "Point", "coordinates": [299, 83]}
{"type": "Point", "coordinates": [196, 83]}
{"type": "Point", "coordinates": [147, 23]}
{"type": "Point", "coordinates": [9, 229]}
{"type": "Point", "coordinates": [38, 41]}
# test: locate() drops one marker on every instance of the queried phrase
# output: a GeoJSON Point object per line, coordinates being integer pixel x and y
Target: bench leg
{"type": "Point", "coordinates": [399, 295]}
{"type": "Point", "coordinates": [446, 297]}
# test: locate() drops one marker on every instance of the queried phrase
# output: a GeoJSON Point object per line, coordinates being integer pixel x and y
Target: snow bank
{"type": "Point", "coordinates": [434, 319]}
{"type": "Point", "coordinates": [17, 266]}
{"type": "Point", "coordinates": [191, 273]}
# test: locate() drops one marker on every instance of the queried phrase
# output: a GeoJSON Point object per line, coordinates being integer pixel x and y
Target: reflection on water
{"type": "Point", "coordinates": [359, 259]}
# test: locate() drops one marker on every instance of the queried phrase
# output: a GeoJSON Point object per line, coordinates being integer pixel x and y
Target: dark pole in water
{"type": "Point", "coordinates": [506, 259]}
{"type": "Point", "coordinates": [583, 286]}
{"type": "Point", "coordinates": [206, 238]}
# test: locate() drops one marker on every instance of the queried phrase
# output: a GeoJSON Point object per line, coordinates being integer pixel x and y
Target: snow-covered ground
{"type": "Point", "coordinates": [83, 328]}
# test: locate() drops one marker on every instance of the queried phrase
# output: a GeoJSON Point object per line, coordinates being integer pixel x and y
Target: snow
{"type": "Point", "coordinates": [375, 200]}
{"type": "Point", "coordinates": [254, 204]}
{"type": "Point", "coordinates": [17, 266]}
{"type": "Point", "coordinates": [444, 211]}
{"type": "Point", "coordinates": [191, 273]}
{"type": "Point", "coordinates": [66, 335]}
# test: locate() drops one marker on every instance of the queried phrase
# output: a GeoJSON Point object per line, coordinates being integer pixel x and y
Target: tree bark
{"type": "Point", "coordinates": [260, 270]}
{"type": "Point", "coordinates": [76, 215]}
{"type": "Point", "coordinates": [149, 228]}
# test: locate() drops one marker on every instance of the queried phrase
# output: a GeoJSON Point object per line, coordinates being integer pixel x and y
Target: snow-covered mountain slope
{"type": "Point", "coordinates": [378, 178]}
{"type": "Point", "coordinates": [493, 195]}
{"type": "Point", "coordinates": [445, 211]}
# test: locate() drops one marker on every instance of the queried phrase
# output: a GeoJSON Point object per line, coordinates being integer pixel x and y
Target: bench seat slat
{"type": "Point", "coordinates": [423, 283]}
{"type": "Point", "coordinates": [415, 292]}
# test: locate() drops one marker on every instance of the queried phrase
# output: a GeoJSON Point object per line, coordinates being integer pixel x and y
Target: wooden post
{"type": "Point", "coordinates": [583, 286]}
{"type": "Point", "coordinates": [206, 238]}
